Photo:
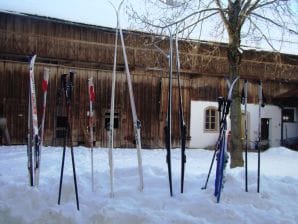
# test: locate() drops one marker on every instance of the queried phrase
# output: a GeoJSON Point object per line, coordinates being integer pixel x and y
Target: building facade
{"type": "Point", "coordinates": [88, 51]}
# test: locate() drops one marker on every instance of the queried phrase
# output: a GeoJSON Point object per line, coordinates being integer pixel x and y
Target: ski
{"type": "Point", "coordinates": [244, 101]}
{"type": "Point", "coordinates": [67, 85]}
{"type": "Point", "coordinates": [29, 144]}
{"type": "Point", "coordinates": [222, 142]}
{"type": "Point", "coordinates": [260, 93]}
{"type": "Point", "coordinates": [33, 138]}
{"type": "Point", "coordinates": [91, 101]}
{"type": "Point", "coordinates": [181, 120]}
{"type": "Point", "coordinates": [44, 90]}
{"type": "Point", "coordinates": [136, 121]}
{"type": "Point", "coordinates": [112, 111]}
{"type": "Point", "coordinates": [168, 127]}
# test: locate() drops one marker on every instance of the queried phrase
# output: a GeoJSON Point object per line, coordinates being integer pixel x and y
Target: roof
{"type": "Point", "coordinates": [101, 13]}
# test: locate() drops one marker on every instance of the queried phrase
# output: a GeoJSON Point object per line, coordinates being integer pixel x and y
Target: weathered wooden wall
{"type": "Point", "coordinates": [88, 51]}
{"type": "Point", "coordinates": [150, 92]}
{"type": "Point", "coordinates": [88, 46]}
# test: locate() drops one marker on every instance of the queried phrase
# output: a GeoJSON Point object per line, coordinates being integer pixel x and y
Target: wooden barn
{"type": "Point", "coordinates": [88, 51]}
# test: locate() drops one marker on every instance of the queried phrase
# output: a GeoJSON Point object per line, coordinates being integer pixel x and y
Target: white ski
{"type": "Point", "coordinates": [112, 112]}
{"type": "Point", "coordinates": [33, 137]}
{"type": "Point", "coordinates": [136, 122]}
{"type": "Point", "coordinates": [45, 82]}
{"type": "Point", "coordinates": [91, 100]}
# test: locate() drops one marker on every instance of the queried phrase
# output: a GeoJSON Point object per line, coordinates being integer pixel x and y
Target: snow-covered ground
{"type": "Point", "coordinates": [19, 203]}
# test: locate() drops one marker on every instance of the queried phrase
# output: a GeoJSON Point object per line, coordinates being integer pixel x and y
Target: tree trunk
{"type": "Point", "coordinates": [233, 25]}
{"type": "Point", "coordinates": [234, 58]}
{"type": "Point", "coordinates": [236, 138]}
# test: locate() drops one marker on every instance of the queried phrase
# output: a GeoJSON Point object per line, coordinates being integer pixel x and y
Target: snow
{"type": "Point", "coordinates": [19, 203]}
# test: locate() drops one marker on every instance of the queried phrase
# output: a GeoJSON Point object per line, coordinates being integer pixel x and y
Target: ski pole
{"type": "Point", "coordinates": [259, 133]}
{"type": "Point", "coordinates": [246, 135]}
{"type": "Point", "coordinates": [220, 101]}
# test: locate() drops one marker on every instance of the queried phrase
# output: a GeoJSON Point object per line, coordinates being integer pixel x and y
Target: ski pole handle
{"type": "Point", "coordinates": [220, 102]}
{"type": "Point", "coordinates": [228, 104]}
{"type": "Point", "coordinates": [139, 124]}
{"type": "Point", "coordinates": [71, 74]}
{"type": "Point", "coordinates": [63, 81]}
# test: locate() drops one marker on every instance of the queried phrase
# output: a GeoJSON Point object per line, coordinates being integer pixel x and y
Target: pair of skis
{"type": "Point", "coordinates": [220, 152]}
{"type": "Point", "coordinates": [67, 87]}
{"type": "Point", "coordinates": [182, 125]}
{"type": "Point", "coordinates": [136, 121]}
{"type": "Point", "coordinates": [258, 145]}
{"type": "Point", "coordinates": [35, 136]}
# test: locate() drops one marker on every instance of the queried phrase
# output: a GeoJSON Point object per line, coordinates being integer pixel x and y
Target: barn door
{"type": "Point", "coordinates": [16, 112]}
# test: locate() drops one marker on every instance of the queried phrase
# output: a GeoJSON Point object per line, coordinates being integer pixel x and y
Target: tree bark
{"type": "Point", "coordinates": [234, 58]}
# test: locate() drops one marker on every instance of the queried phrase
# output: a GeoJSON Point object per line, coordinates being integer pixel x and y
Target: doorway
{"type": "Point", "coordinates": [265, 129]}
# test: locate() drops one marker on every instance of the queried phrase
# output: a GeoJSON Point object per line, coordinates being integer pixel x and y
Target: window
{"type": "Point", "coordinates": [211, 119]}
{"type": "Point", "coordinates": [288, 115]}
{"type": "Point", "coordinates": [107, 120]}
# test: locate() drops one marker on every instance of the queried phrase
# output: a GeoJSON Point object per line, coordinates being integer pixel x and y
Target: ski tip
{"type": "Point", "coordinates": [32, 59]}
{"type": "Point", "coordinates": [231, 88]}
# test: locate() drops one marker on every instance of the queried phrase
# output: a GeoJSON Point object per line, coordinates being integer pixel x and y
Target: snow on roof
{"type": "Point", "coordinates": [101, 13]}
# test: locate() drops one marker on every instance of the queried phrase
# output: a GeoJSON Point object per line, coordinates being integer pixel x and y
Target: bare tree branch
{"type": "Point", "coordinates": [262, 33]}
{"type": "Point", "coordinates": [195, 13]}
{"type": "Point", "coordinates": [275, 23]}
{"type": "Point", "coordinates": [267, 3]}
{"type": "Point", "coordinates": [222, 15]}
{"type": "Point", "coordinates": [199, 20]}
{"type": "Point", "coordinates": [244, 10]}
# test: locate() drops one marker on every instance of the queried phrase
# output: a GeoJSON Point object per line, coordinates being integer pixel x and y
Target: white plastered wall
{"type": "Point", "coordinates": [273, 113]}
{"type": "Point", "coordinates": [202, 139]}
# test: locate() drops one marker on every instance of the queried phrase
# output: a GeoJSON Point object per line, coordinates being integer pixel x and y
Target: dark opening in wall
{"type": "Point", "coordinates": [116, 120]}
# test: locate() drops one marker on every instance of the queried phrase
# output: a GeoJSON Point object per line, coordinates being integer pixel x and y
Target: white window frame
{"type": "Point", "coordinates": [209, 130]}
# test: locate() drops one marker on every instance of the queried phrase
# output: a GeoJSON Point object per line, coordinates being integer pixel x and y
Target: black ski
{"type": "Point", "coordinates": [261, 104]}
{"type": "Point", "coordinates": [181, 120]}
{"type": "Point", "coordinates": [244, 102]}
{"type": "Point", "coordinates": [168, 128]}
